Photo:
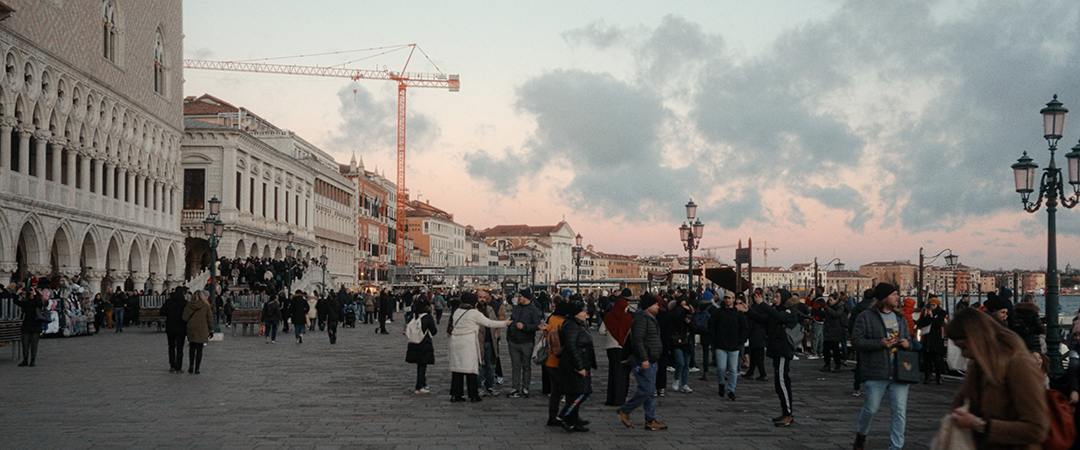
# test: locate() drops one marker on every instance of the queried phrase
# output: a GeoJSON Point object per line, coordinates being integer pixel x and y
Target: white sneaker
{"type": "Point", "coordinates": [675, 386]}
{"type": "Point", "coordinates": [694, 370]}
{"type": "Point", "coordinates": [670, 368]}
{"type": "Point", "coordinates": [686, 389]}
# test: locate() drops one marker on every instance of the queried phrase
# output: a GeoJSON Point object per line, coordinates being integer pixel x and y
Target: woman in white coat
{"type": "Point", "coordinates": [467, 324]}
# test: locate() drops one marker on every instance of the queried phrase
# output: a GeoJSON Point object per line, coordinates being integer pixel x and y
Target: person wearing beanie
{"type": "Point", "coordinates": [466, 336]}
{"type": "Point", "coordinates": [566, 293]}
{"type": "Point", "coordinates": [576, 363]}
{"type": "Point", "coordinates": [728, 330]}
{"type": "Point", "coordinates": [1027, 323]}
{"type": "Point", "coordinates": [525, 320]}
{"type": "Point", "coordinates": [422, 353]}
{"type": "Point", "coordinates": [625, 293]}
{"type": "Point", "coordinates": [934, 341]}
{"type": "Point", "coordinates": [646, 348]}
{"type": "Point", "coordinates": [781, 316]}
{"type": "Point", "coordinates": [880, 332]}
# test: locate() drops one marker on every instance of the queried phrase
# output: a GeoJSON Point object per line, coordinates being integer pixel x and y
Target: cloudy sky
{"type": "Point", "coordinates": [860, 130]}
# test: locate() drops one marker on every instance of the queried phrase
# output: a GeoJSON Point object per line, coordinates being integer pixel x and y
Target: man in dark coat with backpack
{"type": "Point", "coordinates": [175, 327]}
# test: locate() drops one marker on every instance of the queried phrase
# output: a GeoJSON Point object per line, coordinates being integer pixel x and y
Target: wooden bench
{"type": "Point", "coordinates": [247, 319]}
{"type": "Point", "coordinates": [11, 334]}
{"type": "Point", "coordinates": [149, 316]}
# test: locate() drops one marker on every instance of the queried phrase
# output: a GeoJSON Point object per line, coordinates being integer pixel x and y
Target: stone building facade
{"type": "Point", "coordinates": [550, 245]}
{"type": "Point", "coordinates": [436, 235]}
{"type": "Point", "coordinates": [90, 129]}
{"type": "Point", "coordinates": [376, 198]}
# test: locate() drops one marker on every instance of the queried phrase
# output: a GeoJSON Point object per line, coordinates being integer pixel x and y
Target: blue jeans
{"type": "Point", "coordinates": [118, 318]}
{"type": "Point", "coordinates": [271, 330]}
{"type": "Point", "coordinates": [898, 393]}
{"type": "Point", "coordinates": [727, 364]}
{"type": "Point", "coordinates": [682, 366]}
{"type": "Point", "coordinates": [487, 367]}
{"type": "Point", "coordinates": [646, 385]}
{"type": "Point", "coordinates": [299, 329]}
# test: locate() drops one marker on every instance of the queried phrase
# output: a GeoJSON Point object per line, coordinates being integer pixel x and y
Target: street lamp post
{"type": "Point", "coordinates": [532, 269]}
{"type": "Point", "coordinates": [691, 237]}
{"type": "Point", "coordinates": [817, 278]}
{"type": "Point", "coordinates": [322, 260]}
{"type": "Point", "coordinates": [950, 260]}
{"type": "Point", "coordinates": [579, 252]}
{"type": "Point", "coordinates": [213, 227]}
{"type": "Point", "coordinates": [1051, 189]}
{"type": "Point", "coordinates": [290, 251]}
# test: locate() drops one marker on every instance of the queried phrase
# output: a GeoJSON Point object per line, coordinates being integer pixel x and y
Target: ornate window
{"type": "Point", "coordinates": [109, 32]}
{"type": "Point", "coordinates": [159, 63]}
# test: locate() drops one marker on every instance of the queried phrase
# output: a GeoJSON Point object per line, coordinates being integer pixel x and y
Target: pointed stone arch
{"type": "Point", "coordinates": [90, 251]}
{"type": "Point", "coordinates": [254, 250]}
{"type": "Point", "coordinates": [241, 249]}
{"type": "Point", "coordinates": [30, 249]}
{"type": "Point", "coordinates": [62, 257]}
{"type": "Point", "coordinates": [278, 255]}
{"type": "Point", "coordinates": [266, 251]}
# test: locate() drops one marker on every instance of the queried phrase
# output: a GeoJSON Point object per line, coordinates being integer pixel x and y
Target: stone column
{"type": "Point", "coordinates": [39, 270]}
{"type": "Point", "coordinates": [57, 147]}
{"type": "Point", "coordinates": [70, 178]}
{"type": "Point", "coordinates": [157, 281]}
{"type": "Point", "coordinates": [24, 149]}
{"type": "Point", "coordinates": [5, 144]}
{"type": "Point", "coordinates": [137, 188]}
{"type": "Point", "coordinates": [84, 170]}
{"type": "Point", "coordinates": [39, 158]}
{"type": "Point", "coordinates": [110, 185]}
{"type": "Point", "coordinates": [129, 191]}
{"type": "Point", "coordinates": [93, 279]}
{"type": "Point", "coordinates": [99, 173]}
{"type": "Point", "coordinates": [7, 269]}
{"type": "Point", "coordinates": [138, 279]}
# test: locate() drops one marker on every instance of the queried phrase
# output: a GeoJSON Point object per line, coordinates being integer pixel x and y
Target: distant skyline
{"type": "Point", "coordinates": [854, 129]}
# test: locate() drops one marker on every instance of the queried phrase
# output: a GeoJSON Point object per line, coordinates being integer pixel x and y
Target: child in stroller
{"type": "Point", "coordinates": [350, 316]}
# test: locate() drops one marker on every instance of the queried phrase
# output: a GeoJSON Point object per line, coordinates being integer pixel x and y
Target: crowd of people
{"type": "Point", "coordinates": [651, 336]}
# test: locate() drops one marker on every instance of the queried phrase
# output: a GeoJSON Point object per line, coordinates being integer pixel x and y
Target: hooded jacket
{"type": "Point", "coordinates": [780, 319]}
{"type": "Point", "coordinates": [173, 311]}
{"type": "Point", "coordinates": [728, 328]}
{"type": "Point", "coordinates": [1028, 325]}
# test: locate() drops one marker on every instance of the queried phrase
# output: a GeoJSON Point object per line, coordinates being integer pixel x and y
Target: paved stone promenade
{"type": "Point", "coordinates": [114, 391]}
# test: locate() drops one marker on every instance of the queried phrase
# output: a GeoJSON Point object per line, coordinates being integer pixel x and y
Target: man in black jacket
{"type": "Point", "coordinates": [525, 322]}
{"type": "Point", "coordinates": [728, 329]}
{"type": "Point", "coordinates": [332, 310]}
{"type": "Point", "coordinates": [175, 327]}
{"type": "Point", "coordinates": [646, 345]}
{"type": "Point", "coordinates": [782, 317]}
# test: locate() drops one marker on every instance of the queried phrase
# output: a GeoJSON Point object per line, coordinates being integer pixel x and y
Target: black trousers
{"type": "Point", "coordinates": [421, 376]}
{"type": "Point", "coordinates": [557, 390]}
{"type": "Point", "coordinates": [382, 323]}
{"type": "Point", "coordinates": [176, 351]}
{"type": "Point", "coordinates": [438, 316]}
{"type": "Point", "coordinates": [935, 363]}
{"type": "Point", "coordinates": [832, 353]}
{"type": "Point", "coordinates": [757, 361]}
{"type": "Point", "coordinates": [705, 353]}
{"type": "Point", "coordinates": [29, 346]}
{"type": "Point", "coordinates": [458, 380]}
{"type": "Point", "coordinates": [331, 330]}
{"type": "Point", "coordinates": [194, 356]}
{"type": "Point", "coordinates": [618, 384]}
{"type": "Point", "coordinates": [782, 382]}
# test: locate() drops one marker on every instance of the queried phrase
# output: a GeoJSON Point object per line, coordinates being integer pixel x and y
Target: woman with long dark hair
{"type": "Point", "coordinates": [615, 327]}
{"type": "Point", "coordinates": [1003, 388]}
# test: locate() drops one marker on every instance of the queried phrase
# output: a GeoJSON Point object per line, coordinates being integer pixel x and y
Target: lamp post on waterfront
{"type": "Point", "coordinates": [950, 260]}
{"type": "Point", "coordinates": [532, 268]}
{"type": "Point", "coordinates": [1051, 189]}
{"type": "Point", "coordinates": [322, 261]}
{"type": "Point", "coordinates": [817, 279]}
{"type": "Point", "coordinates": [213, 227]}
{"type": "Point", "coordinates": [579, 252]}
{"type": "Point", "coordinates": [691, 237]}
{"type": "Point", "coordinates": [290, 252]}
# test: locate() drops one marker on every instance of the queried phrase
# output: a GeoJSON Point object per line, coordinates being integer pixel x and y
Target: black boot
{"type": "Point", "coordinates": [860, 442]}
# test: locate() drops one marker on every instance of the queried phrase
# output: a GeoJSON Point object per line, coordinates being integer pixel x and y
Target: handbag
{"type": "Point", "coordinates": [1062, 431]}
{"type": "Point", "coordinates": [262, 330]}
{"type": "Point", "coordinates": [795, 336]}
{"type": "Point", "coordinates": [952, 437]}
{"type": "Point", "coordinates": [41, 316]}
{"type": "Point", "coordinates": [540, 354]}
{"type": "Point", "coordinates": [907, 367]}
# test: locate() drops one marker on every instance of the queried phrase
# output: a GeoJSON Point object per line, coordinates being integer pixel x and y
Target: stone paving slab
{"type": "Point", "coordinates": [113, 390]}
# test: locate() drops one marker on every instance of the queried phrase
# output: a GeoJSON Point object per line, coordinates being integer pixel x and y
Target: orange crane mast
{"type": "Point", "coordinates": [403, 79]}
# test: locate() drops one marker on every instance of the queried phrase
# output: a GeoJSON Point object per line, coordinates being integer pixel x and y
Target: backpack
{"type": "Point", "coordinates": [701, 321]}
{"type": "Point", "coordinates": [414, 331]}
{"type": "Point", "coordinates": [554, 346]}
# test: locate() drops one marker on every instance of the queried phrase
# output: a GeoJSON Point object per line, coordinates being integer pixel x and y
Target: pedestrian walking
{"type": "Point", "coordinates": [200, 328]}
{"type": "Point", "coordinates": [757, 337]}
{"type": "Point", "coordinates": [423, 353]}
{"type": "Point", "coordinates": [466, 342]}
{"type": "Point", "coordinates": [728, 329]}
{"type": "Point", "coordinates": [576, 363]}
{"type": "Point", "coordinates": [438, 302]}
{"type": "Point", "coordinates": [332, 310]}
{"type": "Point", "coordinates": [645, 340]}
{"type": "Point", "coordinates": [551, 365]}
{"type": "Point", "coordinates": [525, 320]}
{"type": "Point", "coordinates": [880, 332]}
{"type": "Point", "coordinates": [1004, 391]}
{"type": "Point", "coordinates": [175, 327]}
{"type": "Point", "coordinates": [119, 302]}
{"type": "Point", "coordinates": [933, 343]}
{"type": "Point", "coordinates": [490, 338]}
{"type": "Point", "coordinates": [386, 309]}
{"type": "Point", "coordinates": [270, 316]}
{"type": "Point", "coordinates": [832, 332]}
{"type": "Point", "coordinates": [782, 317]}
{"type": "Point", "coordinates": [616, 328]}
{"type": "Point", "coordinates": [298, 311]}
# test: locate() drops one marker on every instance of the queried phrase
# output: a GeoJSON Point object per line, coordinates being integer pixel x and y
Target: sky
{"type": "Point", "coordinates": [862, 130]}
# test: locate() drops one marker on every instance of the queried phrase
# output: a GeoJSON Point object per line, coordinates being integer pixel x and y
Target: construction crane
{"type": "Point", "coordinates": [402, 78]}
{"type": "Point", "coordinates": [765, 250]}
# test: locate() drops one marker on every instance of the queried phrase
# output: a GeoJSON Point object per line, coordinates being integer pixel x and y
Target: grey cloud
{"type": "Point", "coordinates": [844, 198]}
{"type": "Point", "coordinates": [596, 34]}
{"type": "Point", "coordinates": [371, 124]}
{"type": "Point", "coordinates": [796, 216]}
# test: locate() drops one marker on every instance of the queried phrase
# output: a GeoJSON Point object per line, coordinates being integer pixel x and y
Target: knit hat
{"type": "Point", "coordinates": [526, 293]}
{"type": "Point", "coordinates": [626, 293]}
{"type": "Point", "coordinates": [784, 294]}
{"type": "Point", "coordinates": [707, 296]}
{"type": "Point", "coordinates": [646, 301]}
{"type": "Point", "coordinates": [1005, 293]}
{"type": "Point", "coordinates": [469, 298]}
{"type": "Point", "coordinates": [883, 290]}
{"type": "Point", "coordinates": [934, 301]}
{"type": "Point", "coordinates": [566, 293]}
{"type": "Point", "coordinates": [574, 306]}
{"type": "Point", "coordinates": [869, 293]}
{"type": "Point", "coordinates": [995, 304]}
